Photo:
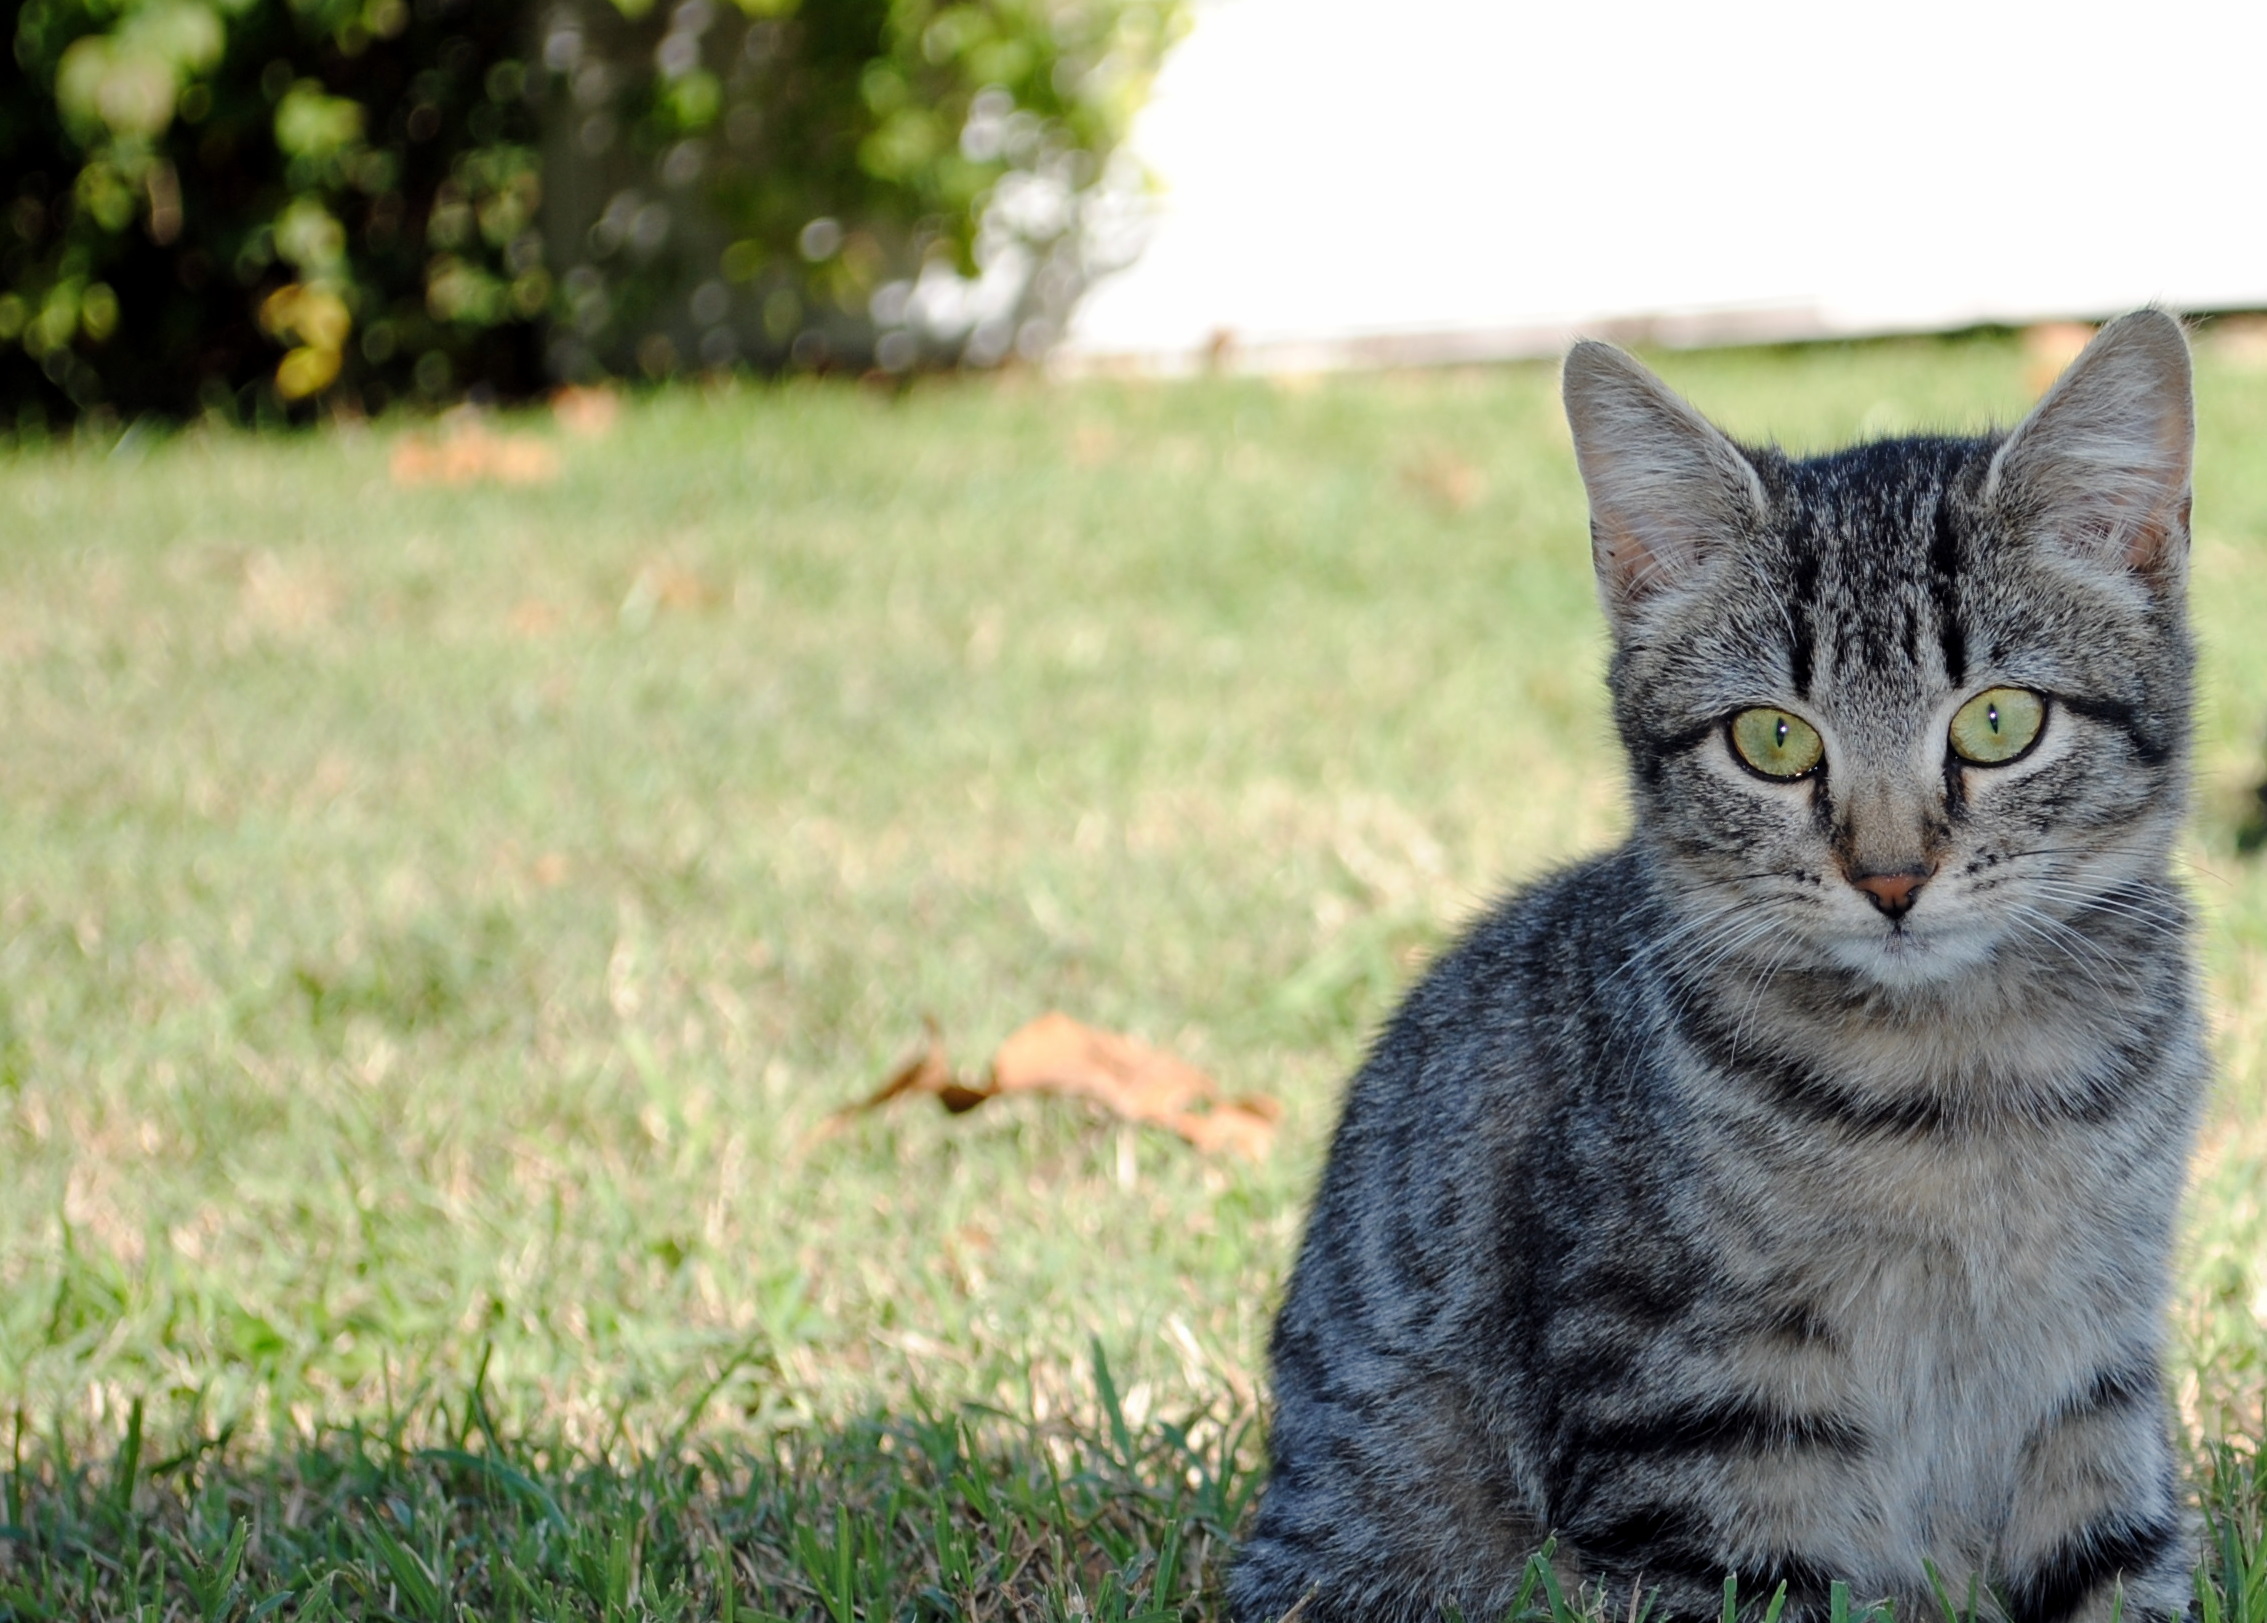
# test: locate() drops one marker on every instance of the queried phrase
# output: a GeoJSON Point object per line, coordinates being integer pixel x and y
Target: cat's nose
{"type": "Point", "coordinates": [1893, 893]}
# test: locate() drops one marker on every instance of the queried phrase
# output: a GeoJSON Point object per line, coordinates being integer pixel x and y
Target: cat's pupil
{"type": "Point", "coordinates": [1782, 732]}
{"type": "Point", "coordinates": [1991, 714]}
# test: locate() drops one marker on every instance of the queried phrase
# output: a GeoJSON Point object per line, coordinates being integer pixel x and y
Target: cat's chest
{"type": "Point", "coordinates": [2000, 1162]}
{"type": "Point", "coordinates": [1940, 1263]}
{"type": "Point", "coordinates": [1936, 1330]}
{"type": "Point", "coordinates": [1951, 1360]}
{"type": "Point", "coordinates": [1956, 1293]}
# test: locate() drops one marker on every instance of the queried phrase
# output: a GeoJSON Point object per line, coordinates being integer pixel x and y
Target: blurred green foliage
{"type": "Point", "coordinates": [245, 205]}
{"type": "Point", "coordinates": [258, 207]}
{"type": "Point", "coordinates": [847, 183]}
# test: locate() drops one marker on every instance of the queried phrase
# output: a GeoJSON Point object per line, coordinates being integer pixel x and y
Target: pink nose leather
{"type": "Point", "coordinates": [1892, 892]}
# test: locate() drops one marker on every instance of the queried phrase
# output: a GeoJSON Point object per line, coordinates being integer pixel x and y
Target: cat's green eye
{"type": "Point", "coordinates": [1997, 725]}
{"type": "Point", "coordinates": [1777, 744]}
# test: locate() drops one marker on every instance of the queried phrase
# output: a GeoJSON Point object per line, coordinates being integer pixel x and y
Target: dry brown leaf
{"type": "Point", "coordinates": [1055, 1054]}
{"type": "Point", "coordinates": [585, 411]}
{"type": "Point", "coordinates": [470, 453]}
{"type": "Point", "coordinates": [532, 617]}
{"type": "Point", "coordinates": [2241, 339]}
{"type": "Point", "coordinates": [2049, 347]}
{"type": "Point", "coordinates": [930, 1072]}
{"type": "Point", "coordinates": [1445, 478]}
{"type": "Point", "coordinates": [665, 585]}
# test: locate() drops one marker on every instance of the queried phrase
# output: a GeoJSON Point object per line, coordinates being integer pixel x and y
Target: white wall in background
{"type": "Point", "coordinates": [1336, 170]}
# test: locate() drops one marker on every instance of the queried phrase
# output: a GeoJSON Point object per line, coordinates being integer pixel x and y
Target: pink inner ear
{"type": "Point", "coordinates": [2104, 458]}
{"type": "Point", "coordinates": [2147, 542]}
{"type": "Point", "coordinates": [1634, 563]}
{"type": "Point", "coordinates": [2162, 535]}
{"type": "Point", "coordinates": [1664, 484]}
{"type": "Point", "coordinates": [2143, 526]}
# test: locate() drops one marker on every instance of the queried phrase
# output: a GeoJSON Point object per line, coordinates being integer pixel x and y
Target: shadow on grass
{"type": "Point", "coordinates": [961, 1517]}
{"type": "Point", "coordinates": [956, 1516]}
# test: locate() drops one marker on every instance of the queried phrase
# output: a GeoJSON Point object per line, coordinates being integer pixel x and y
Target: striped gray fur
{"type": "Point", "coordinates": [1711, 1214]}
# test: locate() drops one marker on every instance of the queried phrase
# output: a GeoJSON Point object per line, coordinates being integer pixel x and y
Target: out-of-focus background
{"type": "Point", "coordinates": [582, 576]}
{"type": "Point", "coordinates": [1348, 184]}
{"type": "Point", "coordinates": [255, 209]}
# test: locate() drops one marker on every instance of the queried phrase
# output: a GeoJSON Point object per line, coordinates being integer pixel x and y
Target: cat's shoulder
{"type": "Point", "coordinates": [1554, 961]}
{"type": "Point", "coordinates": [1574, 925]}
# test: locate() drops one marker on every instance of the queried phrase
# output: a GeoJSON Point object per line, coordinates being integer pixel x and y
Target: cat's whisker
{"type": "Point", "coordinates": [2053, 933]}
{"type": "Point", "coordinates": [2160, 917]}
{"type": "Point", "coordinates": [1654, 946]}
{"type": "Point", "coordinates": [2086, 900]}
{"type": "Point", "coordinates": [1690, 980]}
{"type": "Point", "coordinates": [2196, 864]}
{"type": "Point", "coordinates": [1761, 982]}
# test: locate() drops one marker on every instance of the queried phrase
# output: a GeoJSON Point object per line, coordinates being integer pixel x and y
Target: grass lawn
{"type": "Point", "coordinates": [439, 922]}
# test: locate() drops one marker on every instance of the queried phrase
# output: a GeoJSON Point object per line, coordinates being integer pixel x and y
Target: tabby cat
{"type": "Point", "coordinates": [1789, 1193]}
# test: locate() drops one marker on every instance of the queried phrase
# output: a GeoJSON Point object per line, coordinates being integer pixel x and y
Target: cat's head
{"type": "Point", "coordinates": [1901, 709]}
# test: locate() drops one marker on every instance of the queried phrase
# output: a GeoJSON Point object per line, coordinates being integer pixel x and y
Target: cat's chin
{"type": "Point", "coordinates": [1901, 958]}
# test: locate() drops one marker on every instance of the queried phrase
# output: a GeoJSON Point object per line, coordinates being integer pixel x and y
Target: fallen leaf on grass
{"type": "Point", "coordinates": [2241, 339]}
{"type": "Point", "coordinates": [2050, 346]}
{"type": "Point", "coordinates": [466, 454]}
{"type": "Point", "coordinates": [668, 586]}
{"type": "Point", "coordinates": [930, 1072]}
{"type": "Point", "coordinates": [1055, 1054]}
{"type": "Point", "coordinates": [532, 617]}
{"type": "Point", "coordinates": [586, 411]}
{"type": "Point", "coordinates": [1446, 479]}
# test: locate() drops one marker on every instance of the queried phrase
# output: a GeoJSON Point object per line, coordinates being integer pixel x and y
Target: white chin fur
{"type": "Point", "coordinates": [1911, 956]}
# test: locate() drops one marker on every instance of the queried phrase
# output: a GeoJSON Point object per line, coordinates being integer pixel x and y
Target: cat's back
{"type": "Point", "coordinates": [1511, 1126]}
{"type": "Point", "coordinates": [1514, 1027]}
{"type": "Point", "coordinates": [1521, 1103]}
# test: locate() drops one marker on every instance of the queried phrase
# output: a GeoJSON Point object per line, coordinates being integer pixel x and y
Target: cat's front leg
{"type": "Point", "coordinates": [2097, 1529]}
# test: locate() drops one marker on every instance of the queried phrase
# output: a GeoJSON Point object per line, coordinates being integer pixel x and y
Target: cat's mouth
{"type": "Point", "coordinates": [1906, 952]}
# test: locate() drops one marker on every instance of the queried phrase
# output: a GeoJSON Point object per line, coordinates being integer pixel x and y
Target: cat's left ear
{"type": "Point", "coordinates": [2101, 466]}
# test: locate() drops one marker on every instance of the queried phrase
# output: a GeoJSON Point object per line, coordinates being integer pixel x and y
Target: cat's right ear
{"type": "Point", "coordinates": [1667, 488]}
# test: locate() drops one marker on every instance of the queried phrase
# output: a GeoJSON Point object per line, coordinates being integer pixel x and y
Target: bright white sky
{"type": "Point", "coordinates": [1344, 167]}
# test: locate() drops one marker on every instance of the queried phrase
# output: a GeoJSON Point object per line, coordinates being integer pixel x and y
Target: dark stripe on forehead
{"type": "Point", "coordinates": [1944, 566]}
{"type": "Point", "coordinates": [1802, 600]}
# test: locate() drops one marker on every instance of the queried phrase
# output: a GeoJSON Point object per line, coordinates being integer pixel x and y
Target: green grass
{"type": "Point", "coordinates": [436, 924]}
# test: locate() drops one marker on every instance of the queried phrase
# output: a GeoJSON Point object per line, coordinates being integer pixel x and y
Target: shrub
{"type": "Point", "coordinates": [859, 182]}
{"type": "Point", "coordinates": [245, 207]}
{"type": "Point", "coordinates": [257, 207]}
